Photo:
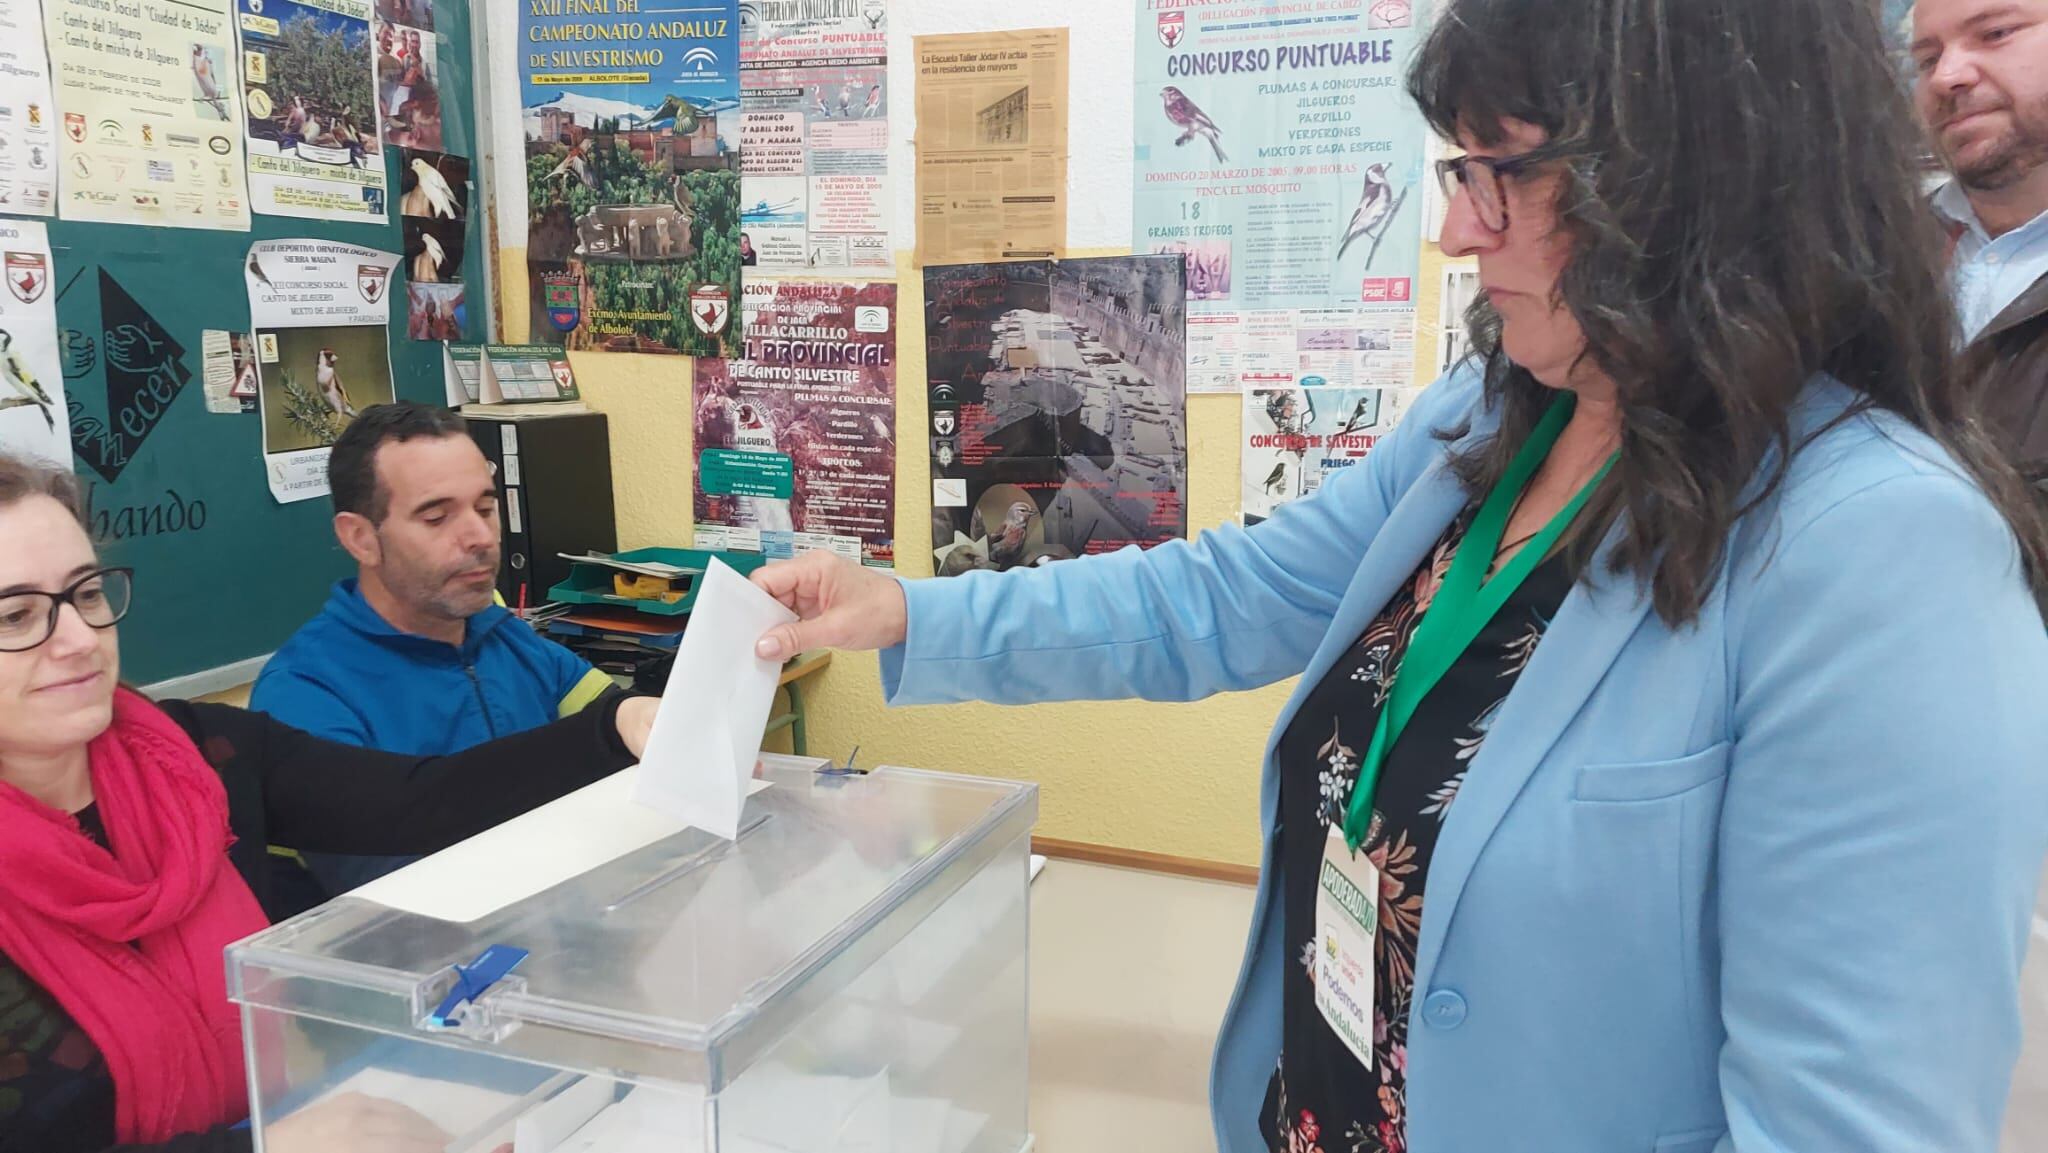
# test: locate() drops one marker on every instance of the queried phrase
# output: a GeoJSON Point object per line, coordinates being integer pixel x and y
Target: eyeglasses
{"type": "Point", "coordinates": [1481, 177]}
{"type": "Point", "coordinates": [100, 598]}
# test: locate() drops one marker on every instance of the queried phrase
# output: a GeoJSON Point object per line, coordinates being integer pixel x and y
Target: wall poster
{"type": "Point", "coordinates": [1280, 157]}
{"type": "Point", "coordinates": [1294, 438]}
{"type": "Point", "coordinates": [632, 176]}
{"type": "Point", "coordinates": [150, 100]}
{"type": "Point", "coordinates": [796, 439]}
{"type": "Point", "coordinates": [35, 416]}
{"type": "Point", "coordinates": [814, 138]}
{"type": "Point", "coordinates": [323, 352]}
{"type": "Point", "coordinates": [28, 141]}
{"type": "Point", "coordinates": [314, 151]}
{"type": "Point", "coordinates": [1058, 409]}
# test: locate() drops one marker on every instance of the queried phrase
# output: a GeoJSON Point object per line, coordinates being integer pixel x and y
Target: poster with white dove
{"type": "Point", "coordinates": [322, 351]}
{"type": "Point", "coordinates": [1285, 166]}
{"type": "Point", "coordinates": [34, 420]}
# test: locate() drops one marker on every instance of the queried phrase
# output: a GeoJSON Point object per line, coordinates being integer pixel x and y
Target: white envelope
{"type": "Point", "coordinates": [699, 759]}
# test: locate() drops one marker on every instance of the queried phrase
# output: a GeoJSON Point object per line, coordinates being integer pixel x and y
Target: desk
{"type": "Point", "coordinates": [798, 670]}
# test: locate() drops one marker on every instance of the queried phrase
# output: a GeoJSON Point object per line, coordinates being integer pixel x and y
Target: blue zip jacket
{"type": "Point", "coordinates": [349, 676]}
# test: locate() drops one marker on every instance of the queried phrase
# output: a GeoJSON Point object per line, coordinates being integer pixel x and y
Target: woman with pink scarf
{"type": "Point", "coordinates": [133, 837]}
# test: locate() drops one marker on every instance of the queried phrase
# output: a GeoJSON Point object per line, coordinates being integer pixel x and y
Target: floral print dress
{"type": "Point", "coordinates": [1322, 1099]}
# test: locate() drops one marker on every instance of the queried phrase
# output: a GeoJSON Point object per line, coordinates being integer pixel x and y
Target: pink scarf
{"type": "Point", "coordinates": [130, 941]}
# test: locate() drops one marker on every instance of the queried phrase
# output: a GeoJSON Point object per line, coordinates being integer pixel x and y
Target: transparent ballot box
{"type": "Point", "coordinates": [849, 975]}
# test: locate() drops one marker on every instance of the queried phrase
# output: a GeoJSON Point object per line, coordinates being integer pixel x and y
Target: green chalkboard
{"type": "Point", "coordinates": [223, 572]}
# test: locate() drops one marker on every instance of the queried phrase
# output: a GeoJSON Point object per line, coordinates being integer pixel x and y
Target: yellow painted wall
{"type": "Point", "coordinates": [1175, 779]}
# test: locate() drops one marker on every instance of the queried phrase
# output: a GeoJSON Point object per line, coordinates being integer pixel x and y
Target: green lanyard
{"type": "Point", "coordinates": [1465, 602]}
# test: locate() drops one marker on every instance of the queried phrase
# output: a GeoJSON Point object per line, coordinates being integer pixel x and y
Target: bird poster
{"type": "Point", "coordinates": [28, 117]}
{"type": "Point", "coordinates": [434, 250]}
{"type": "Point", "coordinates": [432, 185]}
{"type": "Point", "coordinates": [796, 438]}
{"type": "Point", "coordinates": [319, 310]}
{"type": "Point", "coordinates": [814, 128]}
{"type": "Point", "coordinates": [1058, 408]}
{"type": "Point", "coordinates": [35, 417]}
{"type": "Point", "coordinates": [1294, 438]}
{"type": "Point", "coordinates": [991, 146]}
{"type": "Point", "coordinates": [1281, 159]}
{"type": "Point", "coordinates": [315, 152]}
{"type": "Point", "coordinates": [631, 123]}
{"type": "Point", "coordinates": [149, 96]}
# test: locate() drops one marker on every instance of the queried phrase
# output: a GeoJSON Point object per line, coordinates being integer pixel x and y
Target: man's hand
{"type": "Point", "coordinates": [635, 720]}
{"type": "Point", "coordinates": [842, 606]}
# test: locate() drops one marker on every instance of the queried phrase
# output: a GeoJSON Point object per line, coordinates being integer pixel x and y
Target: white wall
{"type": "Point", "coordinates": [1098, 124]}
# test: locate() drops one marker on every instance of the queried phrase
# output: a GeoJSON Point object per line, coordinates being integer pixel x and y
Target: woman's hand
{"type": "Point", "coordinates": [354, 1123]}
{"type": "Point", "coordinates": [635, 720]}
{"type": "Point", "coordinates": [843, 606]}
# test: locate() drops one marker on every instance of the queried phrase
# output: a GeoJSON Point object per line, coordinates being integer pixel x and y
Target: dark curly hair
{"type": "Point", "coordinates": [1739, 187]}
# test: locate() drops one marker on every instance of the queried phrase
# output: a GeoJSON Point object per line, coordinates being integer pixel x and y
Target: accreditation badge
{"type": "Point", "coordinates": [1347, 920]}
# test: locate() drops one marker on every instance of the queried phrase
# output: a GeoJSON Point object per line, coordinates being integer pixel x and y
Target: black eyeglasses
{"type": "Point", "coordinates": [100, 598]}
{"type": "Point", "coordinates": [1481, 177]}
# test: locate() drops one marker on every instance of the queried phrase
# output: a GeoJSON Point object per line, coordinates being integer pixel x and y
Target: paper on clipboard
{"type": "Point", "coordinates": [700, 757]}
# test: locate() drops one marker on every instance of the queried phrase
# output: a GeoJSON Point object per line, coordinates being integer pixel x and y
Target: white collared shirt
{"type": "Point", "coordinates": [1989, 274]}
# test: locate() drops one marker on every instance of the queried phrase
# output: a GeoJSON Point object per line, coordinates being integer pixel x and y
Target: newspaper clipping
{"type": "Point", "coordinates": [991, 146]}
{"type": "Point", "coordinates": [1058, 410]}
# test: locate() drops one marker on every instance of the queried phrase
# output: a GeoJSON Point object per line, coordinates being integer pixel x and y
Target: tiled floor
{"type": "Point", "coordinates": [1130, 973]}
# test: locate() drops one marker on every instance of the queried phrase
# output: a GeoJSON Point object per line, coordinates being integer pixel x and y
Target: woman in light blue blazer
{"type": "Point", "coordinates": [1668, 769]}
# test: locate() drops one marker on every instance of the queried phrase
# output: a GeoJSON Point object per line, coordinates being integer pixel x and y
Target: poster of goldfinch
{"type": "Point", "coordinates": [33, 418]}
{"type": "Point", "coordinates": [320, 311]}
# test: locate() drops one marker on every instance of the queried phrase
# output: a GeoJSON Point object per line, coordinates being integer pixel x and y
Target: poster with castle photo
{"type": "Point", "coordinates": [1058, 408]}
{"type": "Point", "coordinates": [632, 179]}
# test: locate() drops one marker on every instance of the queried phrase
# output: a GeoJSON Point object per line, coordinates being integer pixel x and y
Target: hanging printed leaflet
{"type": "Point", "coordinates": [991, 146]}
{"type": "Point", "coordinates": [796, 440]}
{"type": "Point", "coordinates": [632, 190]}
{"type": "Point", "coordinates": [1058, 411]}
{"type": "Point", "coordinates": [28, 144]}
{"type": "Point", "coordinates": [814, 136]}
{"type": "Point", "coordinates": [149, 97]}
{"type": "Point", "coordinates": [35, 416]}
{"type": "Point", "coordinates": [1294, 438]}
{"type": "Point", "coordinates": [313, 148]}
{"type": "Point", "coordinates": [1278, 154]}
{"type": "Point", "coordinates": [322, 351]}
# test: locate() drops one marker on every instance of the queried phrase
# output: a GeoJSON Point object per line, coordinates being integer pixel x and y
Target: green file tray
{"type": "Point", "coordinates": [591, 584]}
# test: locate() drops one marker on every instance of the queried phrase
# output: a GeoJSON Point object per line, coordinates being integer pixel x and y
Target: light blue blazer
{"type": "Point", "coordinates": [1757, 884]}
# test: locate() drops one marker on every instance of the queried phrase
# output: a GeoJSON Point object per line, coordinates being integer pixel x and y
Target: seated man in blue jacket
{"type": "Point", "coordinates": [415, 655]}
